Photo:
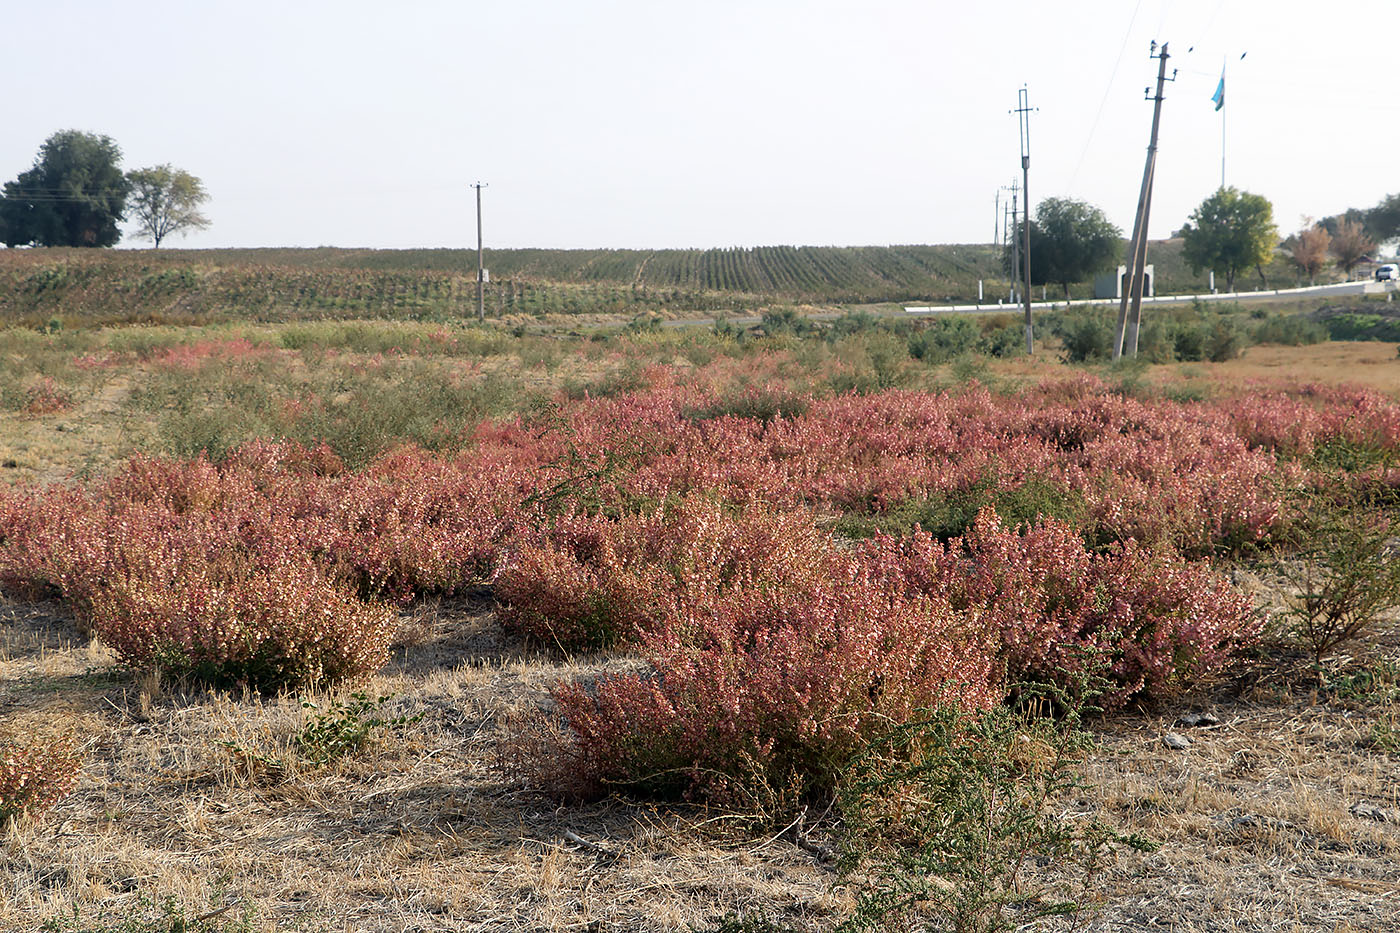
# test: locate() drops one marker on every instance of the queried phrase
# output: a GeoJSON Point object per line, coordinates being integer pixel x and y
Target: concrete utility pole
{"type": "Point", "coordinates": [1012, 233]}
{"type": "Point", "coordinates": [1130, 303]}
{"type": "Point", "coordinates": [480, 268]}
{"type": "Point", "coordinates": [996, 213]}
{"type": "Point", "coordinates": [1023, 110]}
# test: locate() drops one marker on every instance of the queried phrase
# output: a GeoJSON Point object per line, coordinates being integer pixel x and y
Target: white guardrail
{"type": "Point", "coordinates": [1343, 288]}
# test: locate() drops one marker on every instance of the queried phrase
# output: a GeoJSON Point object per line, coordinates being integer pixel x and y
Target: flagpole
{"type": "Point", "coordinates": [1222, 127]}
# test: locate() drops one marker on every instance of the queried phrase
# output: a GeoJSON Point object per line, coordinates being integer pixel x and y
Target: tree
{"type": "Point", "coordinates": [165, 200]}
{"type": "Point", "coordinates": [1075, 241]}
{"type": "Point", "coordinates": [1230, 231]}
{"type": "Point", "coordinates": [1309, 251]}
{"type": "Point", "coordinates": [1383, 220]}
{"type": "Point", "coordinates": [1070, 241]}
{"type": "Point", "coordinates": [1350, 245]}
{"type": "Point", "coordinates": [75, 194]}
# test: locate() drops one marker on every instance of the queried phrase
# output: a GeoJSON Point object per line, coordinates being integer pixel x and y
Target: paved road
{"type": "Point", "coordinates": [1277, 294]}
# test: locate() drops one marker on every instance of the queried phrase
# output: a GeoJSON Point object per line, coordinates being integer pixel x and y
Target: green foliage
{"type": "Point", "coordinates": [164, 916]}
{"type": "Point", "coordinates": [784, 321]}
{"type": "Point", "coordinates": [341, 729]}
{"type": "Point", "coordinates": [763, 405]}
{"type": "Point", "coordinates": [1084, 335]}
{"type": "Point", "coordinates": [951, 514]}
{"type": "Point", "coordinates": [746, 923]}
{"type": "Point", "coordinates": [945, 338]}
{"type": "Point", "coordinates": [1351, 325]}
{"type": "Point", "coordinates": [1071, 241]}
{"type": "Point", "coordinates": [1230, 231]}
{"type": "Point", "coordinates": [948, 816]}
{"type": "Point", "coordinates": [948, 337]}
{"type": "Point", "coordinates": [75, 194]}
{"type": "Point", "coordinates": [1340, 569]}
{"type": "Point", "coordinates": [874, 361]}
{"type": "Point", "coordinates": [1383, 220]}
{"type": "Point", "coordinates": [165, 200]}
{"type": "Point", "coordinates": [1373, 684]}
{"type": "Point", "coordinates": [1290, 330]}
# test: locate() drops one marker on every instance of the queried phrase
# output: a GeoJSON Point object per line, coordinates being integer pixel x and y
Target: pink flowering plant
{"type": "Point", "coordinates": [36, 774]}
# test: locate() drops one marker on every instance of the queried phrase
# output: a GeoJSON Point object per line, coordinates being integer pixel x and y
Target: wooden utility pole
{"type": "Point", "coordinates": [1130, 303]}
{"type": "Point", "coordinates": [1023, 111]}
{"type": "Point", "coordinates": [480, 267]}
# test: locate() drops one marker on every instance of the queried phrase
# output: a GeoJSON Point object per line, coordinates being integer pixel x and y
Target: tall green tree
{"type": "Point", "coordinates": [75, 195]}
{"type": "Point", "coordinates": [1230, 231]}
{"type": "Point", "coordinates": [1074, 241]}
{"type": "Point", "coordinates": [1070, 241]}
{"type": "Point", "coordinates": [1383, 220]}
{"type": "Point", "coordinates": [165, 200]}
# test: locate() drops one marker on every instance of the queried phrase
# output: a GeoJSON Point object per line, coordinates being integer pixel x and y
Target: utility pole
{"type": "Point", "coordinates": [996, 215]}
{"type": "Point", "coordinates": [1023, 111]}
{"type": "Point", "coordinates": [1011, 234]}
{"type": "Point", "coordinates": [1130, 304]}
{"type": "Point", "coordinates": [480, 268]}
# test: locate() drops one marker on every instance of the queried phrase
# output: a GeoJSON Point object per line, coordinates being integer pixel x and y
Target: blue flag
{"type": "Point", "coordinates": [1219, 95]}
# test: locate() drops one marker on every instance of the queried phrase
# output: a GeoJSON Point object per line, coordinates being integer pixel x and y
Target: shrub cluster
{"type": "Point", "coordinates": [270, 568]}
{"type": "Point", "coordinates": [35, 775]}
{"type": "Point", "coordinates": [767, 668]}
{"type": "Point", "coordinates": [584, 581]}
{"type": "Point", "coordinates": [685, 520]}
{"type": "Point", "coordinates": [1153, 621]}
{"type": "Point", "coordinates": [762, 696]}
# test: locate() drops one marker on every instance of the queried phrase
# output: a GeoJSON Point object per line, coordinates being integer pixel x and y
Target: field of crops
{"type": "Point", "coordinates": [668, 630]}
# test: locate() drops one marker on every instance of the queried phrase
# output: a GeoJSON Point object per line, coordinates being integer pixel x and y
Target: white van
{"type": "Point", "coordinates": [1390, 272]}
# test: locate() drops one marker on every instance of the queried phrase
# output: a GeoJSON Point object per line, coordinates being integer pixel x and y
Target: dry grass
{"type": "Point", "coordinates": [433, 827]}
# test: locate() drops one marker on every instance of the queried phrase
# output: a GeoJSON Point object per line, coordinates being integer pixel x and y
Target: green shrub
{"type": "Point", "coordinates": [951, 514]}
{"type": "Point", "coordinates": [1084, 335]}
{"type": "Point", "coordinates": [1342, 574]}
{"type": "Point", "coordinates": [946, 818]}
{"type": "Point", "coordinates": [945, 338]}
{"type": "Point", "coordinates": [1289, 330]}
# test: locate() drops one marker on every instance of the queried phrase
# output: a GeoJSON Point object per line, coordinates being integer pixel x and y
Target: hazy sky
{"type": "Point", "coordinates": [652, 123]}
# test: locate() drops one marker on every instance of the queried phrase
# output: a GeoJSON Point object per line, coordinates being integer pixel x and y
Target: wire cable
{"type": "Point", "coordinates": [1122, 48]}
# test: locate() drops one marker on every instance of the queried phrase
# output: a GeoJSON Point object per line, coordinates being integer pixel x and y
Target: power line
{"type": "Point", "coordinates": [1123, 47]}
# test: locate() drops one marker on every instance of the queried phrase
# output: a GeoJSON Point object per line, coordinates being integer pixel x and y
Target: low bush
{"type": "Point", "coordinates": [1158, 623]}
{"type": "Point", "coordinates": [761, 698]}
{"type": "Point", "coordinates": [946, 816]}
{"type": "Point", "coordinates": [583, 582]}
{"type": "Point", "coordinates": [221, 623]}
{"type": "Point", "coordinates": [1342, 571]}
{"type": "Point", "coordinates": [36, 774]}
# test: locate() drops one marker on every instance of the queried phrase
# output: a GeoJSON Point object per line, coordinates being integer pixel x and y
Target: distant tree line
{"type": "Point", "coordinates": [76, 195]}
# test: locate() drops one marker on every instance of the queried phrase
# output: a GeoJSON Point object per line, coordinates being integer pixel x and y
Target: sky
{"type": "Point", "coordinates": [652, 123]}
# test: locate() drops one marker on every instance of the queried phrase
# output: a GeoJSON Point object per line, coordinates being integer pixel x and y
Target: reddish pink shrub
{"type": "Point", "coordinates": [770, 690]}
{"type": "Point", "coordinates": [1156, 621]}
{"type": "Point", "coordinates": [586, 581]}
{"type": "Point", "coordinates": [195, 354]}
{"type": "Point", "coordinates": [36, 774]}
{"type": "Point", "coordinates": [46, 397]}
{"type": "Point", "coordinates": [268, 628]}
{"type": "Point", "coordinates": [44, 535]}
{"type": "Point", "coordinates": [412, 523]}
{"type": "Point", "coordinates": [1293, 421]}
